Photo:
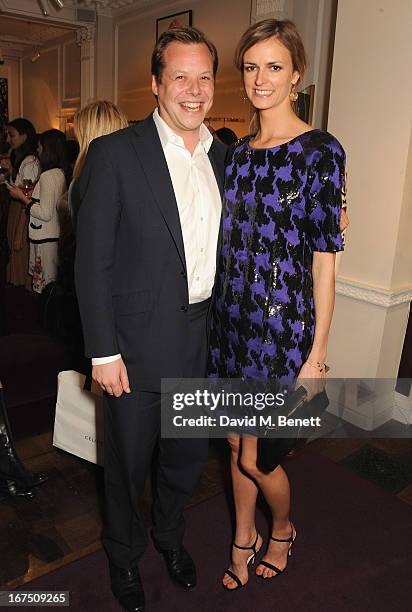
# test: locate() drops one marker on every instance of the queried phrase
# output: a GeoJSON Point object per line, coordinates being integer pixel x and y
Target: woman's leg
{"type": "Point", "coordinates": [245, 493]}
{"type": "Point", "coordinates": [276, 490]}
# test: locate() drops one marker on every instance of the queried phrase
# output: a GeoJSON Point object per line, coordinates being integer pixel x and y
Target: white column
{"type": "Point", "coordinates": [370, 113]}
{"type": "Point", "coordinates": [86, 40]}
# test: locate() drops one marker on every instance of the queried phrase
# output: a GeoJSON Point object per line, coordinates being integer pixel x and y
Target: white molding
{"type": "Point", "coordinates": [85, 35]}
{"type": "Point", "coordinates": [369, 411]}
{"type": "Point", "coordinates": [402, 408]}
{"type": "Point", "coordinates": [373, 295]}
{"type": "Point", "coordinates": [64, 45]}
{"type": "Point", "coordinates": [86, 39]}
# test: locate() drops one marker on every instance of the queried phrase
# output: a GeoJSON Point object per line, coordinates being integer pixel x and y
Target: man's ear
{"type": "Point", "coordinates": [155, 88]}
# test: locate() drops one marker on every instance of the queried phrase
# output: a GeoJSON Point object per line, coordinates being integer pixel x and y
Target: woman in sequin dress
{"type": "Point", "coordinates": [276, 271]}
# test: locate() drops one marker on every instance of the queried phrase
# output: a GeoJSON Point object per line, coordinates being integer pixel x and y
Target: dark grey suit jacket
{"type": "Point", "coordinates": [130, 266]}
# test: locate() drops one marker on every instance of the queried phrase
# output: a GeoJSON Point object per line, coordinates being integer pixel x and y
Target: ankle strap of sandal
{"type": "Point", "coordinates": [289, 539]}
{"type": "Point", "coordinates": [253, 547]}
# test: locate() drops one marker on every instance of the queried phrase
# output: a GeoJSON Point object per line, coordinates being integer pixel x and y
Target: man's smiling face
{"type": "Point", "coordinates": [185, 90]}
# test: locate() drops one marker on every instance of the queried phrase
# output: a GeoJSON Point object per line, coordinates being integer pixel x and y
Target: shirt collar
{"type": "Point", "coordinates": [167, 135]}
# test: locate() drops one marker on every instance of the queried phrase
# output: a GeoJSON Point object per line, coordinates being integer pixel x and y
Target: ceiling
{"type": "Point", "coordinates": [23, 26]}
{"type": "Point", "coordinates": [29, 32]}
{"type": "Point", "coordinates": [19, 34]}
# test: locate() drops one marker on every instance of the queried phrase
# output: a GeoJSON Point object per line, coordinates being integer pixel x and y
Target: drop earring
{"type": "Point", "coordinates": [293, 94]}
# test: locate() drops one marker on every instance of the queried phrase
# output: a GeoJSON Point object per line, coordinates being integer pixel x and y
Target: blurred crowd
{"type": "Point", "coordinates": [38, 208]}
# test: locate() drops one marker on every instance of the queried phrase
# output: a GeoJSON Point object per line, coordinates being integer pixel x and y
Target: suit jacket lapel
{"type": "Point", "coordinates": [148, 148]}
{"type": "Point", "coordinates": [218, 168]}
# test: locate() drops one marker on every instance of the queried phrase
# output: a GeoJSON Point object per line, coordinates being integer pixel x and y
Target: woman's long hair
{"type": "Point", "coordinates": [286, 32]}
{"type": "Point", "coordinates": [29, 146]}
{"type": "Point", "coordinates": [54, 151]}
{"type": "Point", "coordinates": [94, 120]}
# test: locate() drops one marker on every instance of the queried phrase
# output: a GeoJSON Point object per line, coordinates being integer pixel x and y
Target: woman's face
{"type": "Point", "coordinates": [15, 139]}
{"type": "Point", "coordinates": [268, 74]}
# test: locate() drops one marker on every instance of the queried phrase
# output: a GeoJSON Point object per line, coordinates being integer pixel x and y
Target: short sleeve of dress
{"type": "Point", "coordinates": [326, 198]}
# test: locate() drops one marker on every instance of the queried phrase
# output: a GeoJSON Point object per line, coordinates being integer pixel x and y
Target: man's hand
{"type": "Point", "coordinates": [112, 377]}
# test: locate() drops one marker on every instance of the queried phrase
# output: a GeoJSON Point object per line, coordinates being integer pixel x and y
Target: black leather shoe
{"type": "Point", "coordinates": [181, 568]}
{"type": "Point", "coordinates": [127, 588]}
{"type": "Point", "coordinates": [10, 489]}
{"type": "Point", "coordinates": [11, 468]}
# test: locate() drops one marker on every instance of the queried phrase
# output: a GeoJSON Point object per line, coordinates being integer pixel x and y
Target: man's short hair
{"type": "Point", "coordinates": [187, 36]}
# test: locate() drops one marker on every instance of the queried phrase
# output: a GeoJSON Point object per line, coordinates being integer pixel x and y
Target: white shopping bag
{"type": "Point", "coordinates": [78, 425]}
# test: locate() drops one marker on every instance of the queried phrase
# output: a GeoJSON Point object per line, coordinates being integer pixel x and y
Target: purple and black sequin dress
{"type": "Point", "coordinates": [280, 205]}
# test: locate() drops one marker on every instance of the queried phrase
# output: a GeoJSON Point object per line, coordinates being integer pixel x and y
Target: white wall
{"type": "Point", "coordinates": [51, 84]}
{"type": "Point", "coordinates": [224, 21]}
{"type": "Point", "coordinates": [41, 92]}
{"type": "Point", "coordinates": [370, 112]}
{"type": "Point", "coordinates": [135, 38]}
{"type": "Point", "coordinates": [104, 58]}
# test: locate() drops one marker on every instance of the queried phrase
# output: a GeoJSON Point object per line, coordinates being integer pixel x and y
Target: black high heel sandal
{"type": "Point", "coordinates": [251, 559]}
{"type": "Point", "coordinates": [272, 567]}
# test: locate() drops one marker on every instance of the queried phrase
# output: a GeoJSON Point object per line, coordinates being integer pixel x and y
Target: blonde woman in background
{"type": "Point", "coordinates": [96, 119]}
{"type": "Point", "coordinates": [62, 312]}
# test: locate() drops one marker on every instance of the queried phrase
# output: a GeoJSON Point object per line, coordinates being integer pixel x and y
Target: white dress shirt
{"type": "Point", "coordinates": [199, 206]}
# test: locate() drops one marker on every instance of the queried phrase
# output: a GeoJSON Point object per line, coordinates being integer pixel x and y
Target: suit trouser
{"type": "Point", "coordinates": [132, 427]}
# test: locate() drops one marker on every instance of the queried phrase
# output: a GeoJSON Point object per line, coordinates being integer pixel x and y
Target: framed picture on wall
{"type": "Point", "coordinates": [177, 20]}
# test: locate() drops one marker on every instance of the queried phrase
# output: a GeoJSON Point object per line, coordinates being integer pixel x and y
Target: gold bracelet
{"type": "Point", "coordinates": [318, 366]}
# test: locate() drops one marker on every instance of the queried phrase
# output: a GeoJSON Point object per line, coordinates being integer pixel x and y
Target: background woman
{"type": "Point", "coordinates": [22, 139]}
{"type": "Point", "coordinates": [60, 308]}
{"type": "Point", "coordinates": [44, 227]}
{"type": "Point", "coordinates": [276, 273]}
{"type": "Point", "coordinates": [96, 119]}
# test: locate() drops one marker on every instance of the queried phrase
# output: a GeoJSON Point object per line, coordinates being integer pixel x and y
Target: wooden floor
{"type": "Point", "coordinates": [62, 521]}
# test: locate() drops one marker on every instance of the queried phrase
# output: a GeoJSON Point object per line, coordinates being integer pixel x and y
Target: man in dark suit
{"type": "Point", "coordinates": [145, 264]}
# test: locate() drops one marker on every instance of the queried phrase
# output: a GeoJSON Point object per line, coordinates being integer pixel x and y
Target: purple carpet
{"type": "Point", "coordinates": [353, 552]}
